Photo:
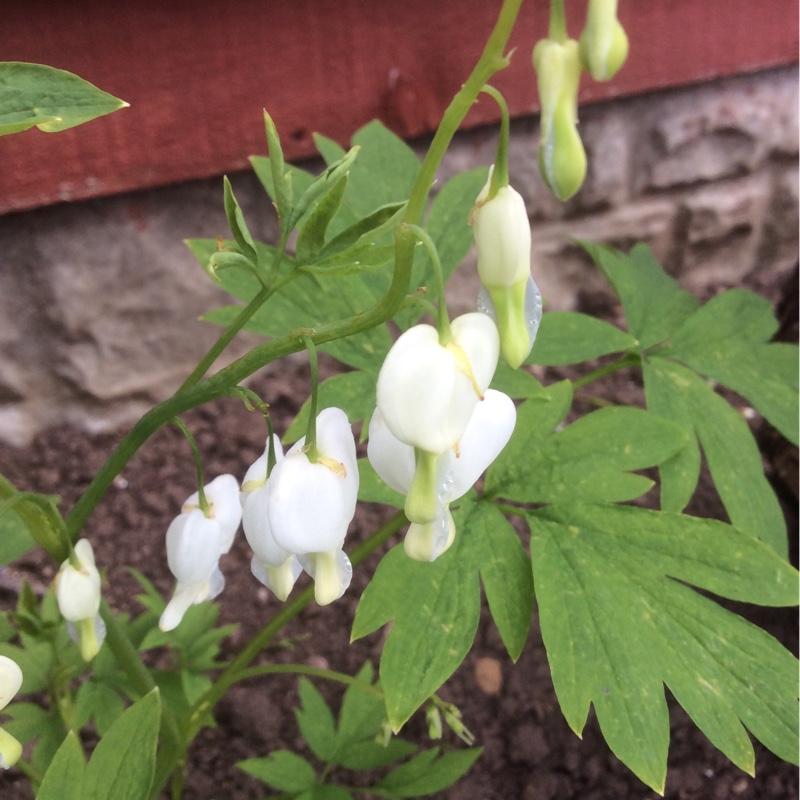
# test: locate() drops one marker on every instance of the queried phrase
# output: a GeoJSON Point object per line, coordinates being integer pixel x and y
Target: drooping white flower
{"type": "Point", "coordinates": [508, 293]}
{"type": "Point", "coordinates": [78, 597]}
{"type": "Point", "coordinates": [455, 471]}
{"type": "Point", "coordinates": [427, 391]}
{"type": "Point", "coordinates": [195, 543]}
{"type": "Point", "coordinates": [275, 567]}
{"type": "Point", "coordinates": [10, 683]}
{"type": "Point", "coordinates": [311, 504]}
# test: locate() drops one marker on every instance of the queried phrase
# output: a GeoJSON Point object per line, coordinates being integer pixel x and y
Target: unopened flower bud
{"type": "Point", "coordinates": [604, 43]}
{"type": "Point", "coordinates": [78, 598]}
{"type": "Point", "coordinates": [562, 159]}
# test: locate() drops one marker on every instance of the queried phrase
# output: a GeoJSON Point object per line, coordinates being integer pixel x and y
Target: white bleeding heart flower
{"type": "Point", "coordinates": [195, 543]}
{"type": "Point", "coordinates": [427, 391]}
{"type": "Point", "coordinates": [311, 503]}
{"type": "Point", "coordinates": [455, 471]}
{"type": "Point", "coordinates": [277, 568]}
{"type": "Point", "coordinates": [78, 598]}
{"type": "Point", "coordinates": [10, 683]}
{"type": "Point", "coordinates": [508, 294]}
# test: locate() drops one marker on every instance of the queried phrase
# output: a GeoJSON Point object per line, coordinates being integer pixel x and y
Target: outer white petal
{"type": "Point", "coordinates": [335, 441]}
{"type": "Point", "coordinates": [222, 495]}
{"type": "Point", "coordinates": [10, 680]}
{"type": "Point", "coordinates": [477, 335]}
{"type": "Point", "coordinates": [185, 595]}
{"type": "Point", "coordinates": [392, 459]}
{"type": "Point", "coordinates": [502, 237]}
{"type": "Point", "coordinates": [255, 523]}
{"type": "Point", "coordinates": [194, 545]}
{"type": "Point", "coordinates": [310, 505]}
{"type": "Point", "coordinates": [332, 573]}
{"type": "Point", "coordinates": [415, 391]}
{"type": "Point", "coordinates": [78, 590]}
{"type": "Point", "coordinates": [487, 433]}
{"type": "Point", "coordinates": [256, 475]}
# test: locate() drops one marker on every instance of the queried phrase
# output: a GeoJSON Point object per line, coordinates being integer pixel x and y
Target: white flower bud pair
{"type": "Point", "coordinates": [298, 516]}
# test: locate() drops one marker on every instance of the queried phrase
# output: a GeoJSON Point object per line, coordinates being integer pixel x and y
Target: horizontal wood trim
{"type": "Point", "coordinates": [198, 74]}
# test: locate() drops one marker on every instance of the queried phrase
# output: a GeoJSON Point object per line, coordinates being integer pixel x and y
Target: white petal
{"type": "Point", "coordinates": [185, 595]}
{"type": "Point", "coordinates": [256, 475]}
{"type": "Point", "coordinates": [255, 523]}
{"type": "Point", "coordinates": [78, 590]}
{"type": "Point", "coordinates": [310, 505]}
{"type": "Point", "coordinates": [415, 391]}
{"type": "Point", "coordinates": [477, 335]}
{"type": "Point", "coordinates": [10, 680]}
{"type": "Point", "coordinates": [392, 459]}
{"type": "Point", "coordinates": [222, 495]}
{"type": "Point", "coordinates": [335, 441]}
{"type": "Point", "coordinates": [194, 545]}
{"type": "Point", "coordinates": [281, 579]}
{"type": "Point", "coordinates": [487, 433]}
{"type": "Point", "coordinates": [331, 571]}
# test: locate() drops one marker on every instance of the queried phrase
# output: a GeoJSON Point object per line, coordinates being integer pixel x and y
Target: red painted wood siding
{"type": "Point", "coordinates": [197, 74]}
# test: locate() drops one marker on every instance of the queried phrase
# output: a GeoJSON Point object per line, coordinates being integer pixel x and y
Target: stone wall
{"type": "Point", "coordinates": [99, 300]}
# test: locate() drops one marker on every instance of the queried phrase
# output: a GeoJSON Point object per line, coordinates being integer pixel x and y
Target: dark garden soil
{"type": "Point", "coordinates": [529, 751]}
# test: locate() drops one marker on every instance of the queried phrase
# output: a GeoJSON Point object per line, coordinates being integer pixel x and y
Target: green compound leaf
{"type": "Point", "coordinates": [517, 383]}
{"type": "Point", "coordinates": [728, 340]}
{"type": "Point", "coordinates": [15, 537]}
{"type": "Point", "coordinates": [730, 450]}
{"type": "Point", "coordinates": [282, 770]}
{"type": "Point", "coordinates": [123, 762]}
{"type": "Point", "coordinates": [567, 337]}
{"type": "Point", "coordinates": [237, 224]}
{"type": "Point", "coordinates": [316, 721]}
{"type": "Point", "coordinates": [616, 627]}
{"type": "Point", "coordinates": [429, 772]}
{"type": "Point", "coordinates": [590, 460]}
{"type": "Point", "coordinates": [372, 489]}
{"type": "Point", "coordinates": [64, 777]}
{"type": "Point", "coordinates": [436, 607]}
{"type": "Point", "coordinates": [51, 99]}
{"type": "Point", "coordinates": [654, 306]}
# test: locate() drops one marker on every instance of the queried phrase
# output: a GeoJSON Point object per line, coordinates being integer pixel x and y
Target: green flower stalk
{"type": "Point", "coordinates": [603, 43]}
{"type": "Point", "coordinates": [562, 159]}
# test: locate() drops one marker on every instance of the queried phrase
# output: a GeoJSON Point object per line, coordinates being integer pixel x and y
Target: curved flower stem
{"type": "Point", "coordinates": [311, 428]}
{"type": "Point", "coordinates": [314, 672]}
{"type": "Point", "coordinates": [500, 172]}
{"type": "Point", "coordinates": [198, 463]}
{"type": "Point", "coordinates": [628, 360]}
{"type": "Point", "coordinates": [442, 319]}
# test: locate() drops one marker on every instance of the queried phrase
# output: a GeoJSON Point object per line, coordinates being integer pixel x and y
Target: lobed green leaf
{"type": "Point", "coordinates": [429, 772]}
{"type": "Point", "coordinates": [567, 337]}
{"type": "Point", "coordinates": [64, 777]}
{"type": "Point", "coordinates": [282, 770]}
{"type": "Point", "coordinates": [316, 721]}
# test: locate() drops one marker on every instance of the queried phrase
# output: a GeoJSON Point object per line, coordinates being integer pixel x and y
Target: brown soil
{"type": "Point", "coordinates": [529, 752]}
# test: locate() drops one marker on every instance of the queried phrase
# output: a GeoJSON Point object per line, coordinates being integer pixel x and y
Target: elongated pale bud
{"type": "Point", "coordinates": [603, 43]}
{"type": "Point", "coordinates": [508, 294]}
{"type": "Point", "coordinates": [562, 158]}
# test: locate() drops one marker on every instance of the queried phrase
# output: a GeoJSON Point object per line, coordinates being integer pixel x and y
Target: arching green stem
{"type": "Point", "coordinates": [198, 463]}
{"type": "Point", "coordinates": [311, 429]}
{"type": "Point", "coordinates": [558, 22]}
{"type": "Point", "coordinates": [500, 172]}
{"type": "Point", "coordinates": [442, 319]}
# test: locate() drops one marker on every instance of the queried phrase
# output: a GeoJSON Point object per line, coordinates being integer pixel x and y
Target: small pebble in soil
{"type": "Point", "coordinates": [489, 675]}
{"type": "Point", "coordinates": [318, 661]}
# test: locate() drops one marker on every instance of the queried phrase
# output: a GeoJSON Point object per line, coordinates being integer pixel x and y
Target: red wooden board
{"type": "Point", "coordinates": [197, 75]}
